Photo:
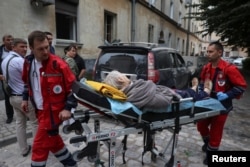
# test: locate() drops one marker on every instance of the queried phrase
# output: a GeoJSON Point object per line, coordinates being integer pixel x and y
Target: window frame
{"type": "Point", "coordinates": [150, 33]}
{"type": "Point", "coordinates": [113, 26]}
{"type": "Point", "coordinates": [171, 11]}
{"type": "Point", "coordinates": [66, 9]}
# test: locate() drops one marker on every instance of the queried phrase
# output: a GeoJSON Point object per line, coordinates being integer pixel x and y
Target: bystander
{"type": "Point", "coordinates": [14, 64]}
{"type": "Point", "coordinates": [4, 51]}
{"type": "Point", "coordinates": [50, 39]}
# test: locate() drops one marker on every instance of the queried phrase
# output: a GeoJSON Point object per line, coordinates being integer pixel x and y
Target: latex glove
{"type": "Point", "coordinates": [221, 96]}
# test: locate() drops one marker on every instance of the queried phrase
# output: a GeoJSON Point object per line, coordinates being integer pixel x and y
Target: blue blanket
{"type": "Point", "coordinates": [210, 103]}
{"type": "Point", "coordinates": [118, 107]}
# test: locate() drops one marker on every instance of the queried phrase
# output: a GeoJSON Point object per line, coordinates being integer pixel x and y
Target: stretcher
{"type": "Point", "coordinates": [134, 122]}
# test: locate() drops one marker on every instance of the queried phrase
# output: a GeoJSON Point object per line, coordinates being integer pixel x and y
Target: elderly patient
{"type": "Point", "coordinates": [146, 94]}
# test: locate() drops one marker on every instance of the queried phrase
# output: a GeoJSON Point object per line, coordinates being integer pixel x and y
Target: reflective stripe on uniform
{"type": "Point", "coordinates": [62, 154]}
{"type": "Point", "coordinates": [38, 164]}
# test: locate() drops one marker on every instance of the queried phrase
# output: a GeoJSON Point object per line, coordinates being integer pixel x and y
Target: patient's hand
{"type": "Point", "coordinates": [177, 97]}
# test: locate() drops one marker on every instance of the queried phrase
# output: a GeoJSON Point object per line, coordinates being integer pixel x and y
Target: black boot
{"type": "Point", "coordinates": [205, 160]}
{"type": "Point", "coordinates": [208, 150]}
{"type": "Point", "coordinates": [204, 147]}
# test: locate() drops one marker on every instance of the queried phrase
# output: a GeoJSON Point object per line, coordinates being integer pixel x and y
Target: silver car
{"type": "Point", "coordinates": [238, 62]}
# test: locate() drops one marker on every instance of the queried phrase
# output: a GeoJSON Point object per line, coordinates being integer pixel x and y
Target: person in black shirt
{"type": "Point", "coordinates": [50, 39]}
{"type": "Point", "coordinates": [80, 64]}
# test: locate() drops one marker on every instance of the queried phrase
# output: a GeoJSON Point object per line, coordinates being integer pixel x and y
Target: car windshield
{"type": "Point", "coordinates": [131, 63]}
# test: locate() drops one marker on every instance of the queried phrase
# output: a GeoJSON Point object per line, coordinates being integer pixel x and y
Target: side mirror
{"type": "Point", "coordinates": [189, 63]}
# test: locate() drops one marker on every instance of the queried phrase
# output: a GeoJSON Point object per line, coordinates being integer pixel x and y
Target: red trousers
{"type": "Point", "coordinates": [213, 128]}
{"type": "Point", "coordinates": [44, 143]}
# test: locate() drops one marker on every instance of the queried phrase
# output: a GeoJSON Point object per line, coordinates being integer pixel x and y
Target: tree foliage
{"type": "Point", "coordinates": [229, 19]}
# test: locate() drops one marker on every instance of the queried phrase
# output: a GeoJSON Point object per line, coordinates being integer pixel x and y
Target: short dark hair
{"type": "Point", "coordinates": [18, 40]}
{"type": "Point", "coordinates": [48, 33]}
{"type": "Point", "coordinates": [6, 36]}
{"type": "Point", "coordinates": [36, 35]}
{"type": "Point", "coordinates": [69, 47]}
{"type": "Point", "coordinates": [217, 45]}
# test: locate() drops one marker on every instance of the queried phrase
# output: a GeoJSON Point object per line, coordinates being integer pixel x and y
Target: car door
{"type": "Point", "coordinates": [164, 63]}
{"type": "Point", "coordinates": [182, 72]}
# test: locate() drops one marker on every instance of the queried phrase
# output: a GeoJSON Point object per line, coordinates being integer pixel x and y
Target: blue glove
{"type": "Point", "coordinates": [221, 96]}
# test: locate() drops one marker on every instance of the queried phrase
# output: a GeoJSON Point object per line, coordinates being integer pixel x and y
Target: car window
{"type": "Point", "coordinates": [179, 61]}
{"type": "Point", "coordinates": [123, 62]}
{"type": "Point", "coordinates": [171, 56]}
{"type": "Point", "coordinates": [163, 59]}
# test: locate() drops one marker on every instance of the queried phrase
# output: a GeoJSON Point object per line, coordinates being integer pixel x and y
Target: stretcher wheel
{"type": "Point", "coordinates": [76, 157]}
{"type": "Point", "coordinates": [92, 158]}
{"type": "Point", "coordinates": [65, 129]}
{"type": "Point", "coordinates": [153, 157]}
{"type": "Point", "coordinates": [169, 164]}
{"type": "Point", "coordinates": [99, 163]}
{"type": "Point", "coordinates": [78, 132]}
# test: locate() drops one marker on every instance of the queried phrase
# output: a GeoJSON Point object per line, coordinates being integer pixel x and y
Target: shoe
{"type": "Point", "coordinates": [9, 120]}
{"type": "Point", "coordinates": [205, 161]}
{"type": "Point", "coordinates": [204, 148]}
{"type": "Point", "coordinates": [27, 153]}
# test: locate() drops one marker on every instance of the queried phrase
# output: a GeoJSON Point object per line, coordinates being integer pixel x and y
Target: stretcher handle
{"type": "Point", "coordinates": [176, 100]}
{"type": "Point", "coordinates": [187, 99]}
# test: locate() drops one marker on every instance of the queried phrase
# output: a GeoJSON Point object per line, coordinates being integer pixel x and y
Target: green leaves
{"type": "Point", "coordinates": [230, 19]}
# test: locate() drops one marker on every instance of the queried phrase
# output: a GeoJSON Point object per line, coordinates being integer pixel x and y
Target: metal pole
{"type": "Point", "coordinates": [188, 30]}
{"type": "Point", "coordinates": [133, 21]}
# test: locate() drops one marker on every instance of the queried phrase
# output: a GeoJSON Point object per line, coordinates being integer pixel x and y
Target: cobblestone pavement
{"type": "Point", "coordinates": [236, 138]}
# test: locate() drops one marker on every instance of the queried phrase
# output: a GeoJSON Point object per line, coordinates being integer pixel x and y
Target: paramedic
{"type": "Point", "coordinates": [48, 82]}
{"type": "Point", "coordinates": [228, 83]}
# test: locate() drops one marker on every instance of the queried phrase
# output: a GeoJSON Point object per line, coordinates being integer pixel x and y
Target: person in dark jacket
{"type": "Point", "coordinates": [81, 66]}
{"type": "Point", "coordinates": [50, 39]}
{"type": "Point", "coordinates": [79, 62]}
{"type": "Point", "coordinates": [4, 52]}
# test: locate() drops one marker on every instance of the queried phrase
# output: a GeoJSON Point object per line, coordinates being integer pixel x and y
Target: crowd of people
{"type": "Point", "coordinates": [42, 93]}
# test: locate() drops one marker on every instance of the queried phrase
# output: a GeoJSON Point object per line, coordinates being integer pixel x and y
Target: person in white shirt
{"type": "Point", "coordinates": [15, 68]}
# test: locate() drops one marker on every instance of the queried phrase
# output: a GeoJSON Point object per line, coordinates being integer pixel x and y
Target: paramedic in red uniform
{"type": "Point", "coordinates": [228, 83]}
{"type": "Point", "coordinates": [48, 82]}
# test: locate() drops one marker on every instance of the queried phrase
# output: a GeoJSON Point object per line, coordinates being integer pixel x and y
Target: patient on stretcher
{"type": "Point", "coordinates": [146, 94]}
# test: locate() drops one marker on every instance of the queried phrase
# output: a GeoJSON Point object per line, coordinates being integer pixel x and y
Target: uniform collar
{"type": "Point", "coordinates": [221, 64]}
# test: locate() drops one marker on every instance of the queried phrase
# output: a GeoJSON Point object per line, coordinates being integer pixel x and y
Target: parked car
{"type": "Point", "coordinates": [162, 65]}
{"type": "Point", "coordinates": [201, 61]}
{"type": "Point", "coordinates": [228, 59]}
{"type": "Point", "coordinates": [238, 62]}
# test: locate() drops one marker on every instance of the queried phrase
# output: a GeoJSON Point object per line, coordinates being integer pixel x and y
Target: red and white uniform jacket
{"type": "Point", "coordinates": [226, 78]}
{"type": "Point", "coordinates": [56, 80]}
